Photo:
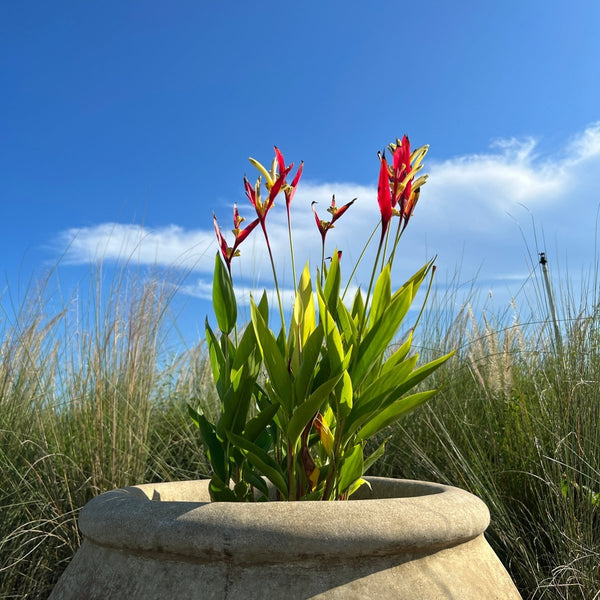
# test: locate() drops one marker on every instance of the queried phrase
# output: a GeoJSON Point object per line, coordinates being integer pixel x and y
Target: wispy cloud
{"type": "Point", "coordinates": [468, 213]}
{"type": "Point", "coordinates": [170, 245]}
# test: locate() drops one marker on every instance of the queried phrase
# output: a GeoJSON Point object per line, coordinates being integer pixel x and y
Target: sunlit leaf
{"type": "Point", "coordinates": [351, 468]}
{"type": "Point", "coordinates": [273, 359]}
{"type": "Point", "coordinates": [224, 303]}
{"type": "Point", "coordinates": [307, 410]}
{"type": "Point", "coordinates": [382, 296]}
{"type": "Point", "coordinates": [380, 335]}
{"type": "Point", "coordinates": [392, 413]}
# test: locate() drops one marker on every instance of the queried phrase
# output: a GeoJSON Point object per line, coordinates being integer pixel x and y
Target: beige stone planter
{"type": "Point", "coordinates": [407, 539]}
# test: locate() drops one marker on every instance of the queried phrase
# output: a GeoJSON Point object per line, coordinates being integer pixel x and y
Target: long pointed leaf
{"type": "Point", "coordinates": [351, 468]}
{"type": "Point", "coordinates": [380, 335]}
{"type": "Point", "coordinates": [382, 296]}
{"type": "Point", "coordinates": [262, 461]}
{"type": "Point", "coordinates": [393, 413]}
{"type": "Point", "coordinates": [273, 359]}
{"type": "Point", "coordinates": [308, 408]}
{"type": "Point", "coordinates": [214, 447]}
{"type": "Point", "coordinates": [224, 303]}
{"type": "Point", "coordinates": [259, 423]}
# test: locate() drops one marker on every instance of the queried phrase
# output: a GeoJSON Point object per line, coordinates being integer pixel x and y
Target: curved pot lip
{"type": "Point", "coordinates": [177, 518]}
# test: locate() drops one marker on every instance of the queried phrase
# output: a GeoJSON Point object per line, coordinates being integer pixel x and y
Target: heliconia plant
{"type": "Point", "coordinates": [299, 403]}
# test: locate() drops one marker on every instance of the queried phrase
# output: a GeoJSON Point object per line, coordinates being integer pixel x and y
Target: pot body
{"type": "Point", "coordinates": [401, 539]}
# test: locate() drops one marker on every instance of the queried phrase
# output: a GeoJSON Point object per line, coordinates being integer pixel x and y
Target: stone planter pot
{"type": "Point", "coordinates": [405, 539]}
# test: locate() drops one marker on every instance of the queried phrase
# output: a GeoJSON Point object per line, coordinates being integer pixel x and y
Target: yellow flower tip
{"type": "Point", "coordinates": [264, 172]}
{"type": "Point", "coordinates": [274, 169]}
{"type": "Point", "coordinates": [419, 182]}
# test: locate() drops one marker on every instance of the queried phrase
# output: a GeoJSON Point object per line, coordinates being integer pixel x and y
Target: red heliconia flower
{"type": "Point", "coordinates": [289, 189]}
{"type": "Point", "coordinates": [229, 252]}
{"type": "Point", "coordinates": [401, 169]}
{"type": "Point", "coordinates": [400, 195]}
{"type": "Point", "coordinates": [223, 246]}
{"type": "Point", "coordinates": [254, 195]}
{"type": "Point", "coordinates": [323, 226]}
{"type": "Point", "coordinates": [336, 213]}
{"type": "Point", "coordinates": [384, 196]}
{"type": "Point", "coordinates": [241, 234]}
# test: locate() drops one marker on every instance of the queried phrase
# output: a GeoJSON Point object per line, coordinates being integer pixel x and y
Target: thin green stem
{"type": "Point", "coordinates": [372, 280]}
{"type": "Point", "coordinates": [291, 473]}
{"type": "Point", "coordinates": [322, 260]}
{"type": "Point", "coordinates": [275, 281]}
{"type": "Point", "coordinates": [292, 250]}
{"type": "Point", "coordinates": [360, 259]}
{"type": "Point", "coordinates": [399, 233]}
{"type": "Point", "coordinates": [236, 327]}
{"type": "Point", "coordinates": [426, 295]}
{"type": "Point", "coordinates": [387, 238]}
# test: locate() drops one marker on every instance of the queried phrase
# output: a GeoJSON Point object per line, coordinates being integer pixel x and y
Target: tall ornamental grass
{"type": "Point", "coordinates": [87, 404]}
{"type": "Point", "coordinates": [92, 398]}
{"type": "Point", "coordinates": [518, 423]}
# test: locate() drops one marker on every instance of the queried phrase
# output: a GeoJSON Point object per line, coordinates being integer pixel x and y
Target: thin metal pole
{"type": "Point", "coordinates": [544, 263]}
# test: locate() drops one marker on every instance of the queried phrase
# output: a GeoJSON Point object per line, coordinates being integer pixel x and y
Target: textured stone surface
{"type": "Point", "coordinates": [410, 540]}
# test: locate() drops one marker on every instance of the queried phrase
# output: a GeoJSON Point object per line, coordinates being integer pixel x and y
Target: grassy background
{"type": "Point", "coordinates": [90, 400]}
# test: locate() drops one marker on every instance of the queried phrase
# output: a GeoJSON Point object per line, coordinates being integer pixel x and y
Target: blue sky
{"type": "Point", "coordinates": [124, 124]}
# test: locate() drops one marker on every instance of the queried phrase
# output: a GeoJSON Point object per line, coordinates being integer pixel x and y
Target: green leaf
{"type": "Point", "coordinates": [392, 413]}
{"type": "Point", "coordinates": [262, 461]}
{"type": "Point", "coordinates": [345, 401]}
{"type": "Point", "coordinates": [259, 423]}
{"type": "Point", "coordinates": [399, 355]}
{"type": "Point", "coordinates": [346, 324]}
{"type": "Point", "coordinates": [219, 490]}
{"type": "Point", "coordinates": [331, 292]}
{"type": "Point", "coordinates": [217, 360]}
{"type": "Point", "coordinates": [255, 480]}
{"type": "Point", "coordinates": [224, 303]}
{"type": "Point", "coordinates": [351, 468]}
{"type": "Point", "coordinates": [306, 411]}
{"type": "Point", "coordinates": [358, 307]}
{"type": "Point", "coordinates": [308, 365]}
{"type": "Point", "coordinates": [304, 318]}
{"type": "Point", "coordinates": [275, 363]}
{"type": "Point", "coordinates": [420, 374]}
{"type": "Point", "coordinates": [316, 494]}
{"type": "Point", "coordinates": [214, 447]}
{"type": "Point", "coordinates": [247, 353]}
{"type": "Point", "coordinates": [333, 340]}
{"type": "Point", "coordinates": [263, 307]}
{"type": "Point", "coordinates": [416, 280]}
{"type": "Point", "coordinates": [382, 296]}
{"type": "Point", "coordinates": [358, 484]}
{"type": "Point", "coordinates": [380, 335]}
{"type": "Point", "coordinates": [383, 391]}
{"type": "Point", "coordinates": [375, 456]}
{"type": "Point", "coordinates": [236, 402]}
{"type": "Point", "coordinates": [391, 380]}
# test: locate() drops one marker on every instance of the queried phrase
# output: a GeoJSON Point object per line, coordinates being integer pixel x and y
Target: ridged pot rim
{"type": "Point", "coordinates": [177, 519]}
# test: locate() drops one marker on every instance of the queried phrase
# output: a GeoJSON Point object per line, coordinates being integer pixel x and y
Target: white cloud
{"type": "Point", "coordinates": [463, 216]}
{"type": "Point", "coordinates": [170, 246]}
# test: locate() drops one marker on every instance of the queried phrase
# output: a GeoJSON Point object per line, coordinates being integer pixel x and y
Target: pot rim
{"type": "Point", "coordinates": [177, 518]}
